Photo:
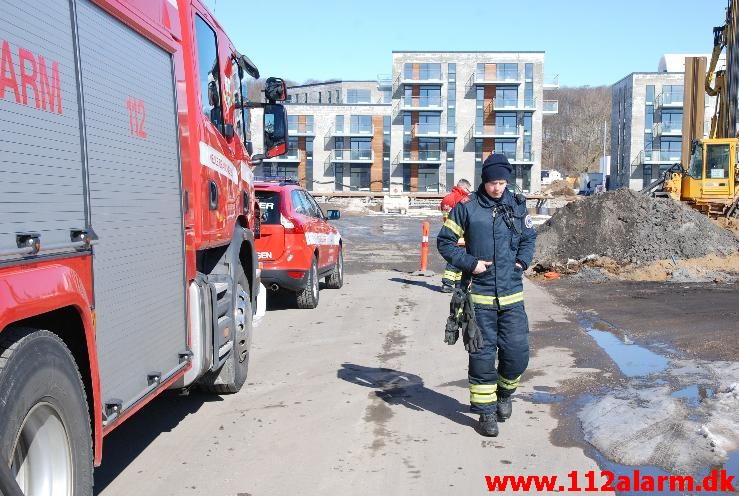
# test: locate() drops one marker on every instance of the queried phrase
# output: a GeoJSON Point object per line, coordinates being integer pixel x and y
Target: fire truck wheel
{"type": "Point", "coordinates": [44, 420]}
{"type": "Point", "coordinates": [336, 278]}
{"type": "Point", "coordinates": [232, 375]}
{"type": "Point", "coordinates": [308, 297]}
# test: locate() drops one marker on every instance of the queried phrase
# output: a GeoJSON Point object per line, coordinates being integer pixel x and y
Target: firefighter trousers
{"type": "Point", "coordinates": [505, 332]}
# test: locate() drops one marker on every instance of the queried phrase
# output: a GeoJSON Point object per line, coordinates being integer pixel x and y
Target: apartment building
{"type": "Point", "coordinates": [646, 122]}
{"type": "Point", "coordinates": [422, 128]}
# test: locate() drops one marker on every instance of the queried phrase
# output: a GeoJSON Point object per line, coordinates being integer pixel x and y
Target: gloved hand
{"type": "Point", "coordinates": [472, 336]}
{"type": "Point", "coordinates": [451, 333]}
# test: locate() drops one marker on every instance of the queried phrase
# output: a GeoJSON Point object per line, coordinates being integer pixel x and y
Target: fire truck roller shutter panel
{"type": "Point", "coordinates": [41, 185]}
{"type": "Point", "coordinates": [135, 203]}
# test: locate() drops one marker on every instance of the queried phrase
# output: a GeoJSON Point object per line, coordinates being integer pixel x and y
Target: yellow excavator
{"type": "Point", "coordinates": [709, 183]}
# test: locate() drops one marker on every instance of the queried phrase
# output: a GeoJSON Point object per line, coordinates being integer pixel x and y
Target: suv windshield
{"type": "Point", "coordinates": [269, 203]}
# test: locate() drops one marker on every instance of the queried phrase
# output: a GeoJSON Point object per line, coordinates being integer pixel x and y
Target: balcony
{"type": "Point", "coordinates": [384, 81]}
{"type": "Point", "coordinates": [355, 131]}
{"type": "Point", "coordinates": [660, 157]}
{"type": "Point", "coordinates": [551, 107]}
{"type": "Point", "coordinates": [513, 104]}
{"type": "Point", "coordinates": [361, 156]}
{"type": "Point", "coordinates": [551, 83]}
{"type": "Point", "coordinates": [524, 158]}
{"type": "Point", "coordinates": [421, 103]}
{"type": "Point", "coordinates": [492, 131]}
{"type": "Point", "coordinates": [420, 157]}
{"type": "Point", "coordinates": [430, 131]}
{"type": "Point", "coordinates": [669, 99]}
{"type": "Point", "coordinates": [500, 77]}
{"type": "Point", "coordinates": [299, 130]}
{"type": "Point", "coordinates": [667, 129]}
{"type": "Point", "coordinates": [421, 77]}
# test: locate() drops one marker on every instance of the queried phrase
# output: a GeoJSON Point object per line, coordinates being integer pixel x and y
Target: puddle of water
{"type": "Point", "coordinates": [693, 394]}
{"type": "Point", "coordinates": [541, 398]}
{"type": "Point", "coordinates": [632, 359]}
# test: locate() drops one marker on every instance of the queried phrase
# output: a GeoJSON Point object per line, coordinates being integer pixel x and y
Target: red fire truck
{"type": "Point", "coordinates": [127, 222]}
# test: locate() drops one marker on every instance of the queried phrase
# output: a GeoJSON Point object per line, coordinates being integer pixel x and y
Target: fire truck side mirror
{"type": "Point", "coordinates": [275, 130]}
{"type": "Point", "coordinates": [275, 90]}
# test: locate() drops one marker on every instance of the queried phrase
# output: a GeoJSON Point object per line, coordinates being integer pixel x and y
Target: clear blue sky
{"type": "Point", "coordinates": [586, 42]}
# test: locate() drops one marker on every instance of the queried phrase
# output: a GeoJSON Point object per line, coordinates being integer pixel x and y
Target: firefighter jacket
{"type": "Point", "coordinates": [496, 231]}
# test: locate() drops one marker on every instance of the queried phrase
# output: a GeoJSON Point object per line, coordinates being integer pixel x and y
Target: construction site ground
{"type": "Point", "coordinates": [362, 396]}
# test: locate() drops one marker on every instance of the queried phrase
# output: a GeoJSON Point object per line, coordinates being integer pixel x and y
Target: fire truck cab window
{"type": "Point", "coordinates": [210, 81]}
{"type": "Point", "coordinates": [241, 114]}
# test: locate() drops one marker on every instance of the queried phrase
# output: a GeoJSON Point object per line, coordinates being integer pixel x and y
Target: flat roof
{"type": "Point", "coordinates": [468, 51]}
{"type": "Point", "coordinates": [648, 74]}
{"type": "Point", "coordinates": [334, 81]}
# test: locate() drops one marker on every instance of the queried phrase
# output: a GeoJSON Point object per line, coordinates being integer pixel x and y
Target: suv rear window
{"type": "Point", "coordinates": [269, 203]}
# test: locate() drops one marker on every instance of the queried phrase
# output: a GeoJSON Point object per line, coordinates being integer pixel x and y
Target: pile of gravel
{"type": "Point", "coordinates": [630, 228]}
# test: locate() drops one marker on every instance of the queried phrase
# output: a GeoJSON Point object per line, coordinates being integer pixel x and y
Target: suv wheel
{"type": "Point", "coordinates": [336, 278]}
{"type": "Point", "coordinates": [308, 297]}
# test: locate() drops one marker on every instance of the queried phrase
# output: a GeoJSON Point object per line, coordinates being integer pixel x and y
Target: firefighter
{"type": "Point", "coordinates": [452, 275]}
{"type": "Point", "coordinates": [500, 239]}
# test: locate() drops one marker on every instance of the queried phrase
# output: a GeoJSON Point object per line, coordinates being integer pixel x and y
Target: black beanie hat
{"type": "Point", "coordinates": [496, 168]}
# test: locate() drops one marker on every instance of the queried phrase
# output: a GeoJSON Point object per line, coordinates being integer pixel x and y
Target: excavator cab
{"type": "Point", "coordinates": [711, 172]}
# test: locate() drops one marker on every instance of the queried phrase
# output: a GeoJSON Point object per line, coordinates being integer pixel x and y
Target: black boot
{"type": "Point", "coordinates": [505, 408]}
{"type": "Point", "coordinates": [488, 425]}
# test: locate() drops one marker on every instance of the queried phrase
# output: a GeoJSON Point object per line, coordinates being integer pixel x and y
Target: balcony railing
{"type": "Point", "coordinates": [551, 106]}
{"type": "Point", "coordinates": [670, 99]}
{"type": "Point", "coordinates": [667, 156]}
{"type": "Point", "coordinates": [425, 130]}
{"type": "Point", "coordinates": [422, 75]}
{"type": "Point", "coordinates": [422, 156]}
{"type": "Point", "coordinates": [667, 128]}
{"type": "Point", "coordinates": [384, 80]}
{"type": "Point", "coordinates": [551, 83]}
{"type": "Point", "coordinates": [297, 130]}
{"type": "Point", "coordinates": [493, 130]}
{"type": "Point", "coordinates": [422, 101]}
{"type": "Point", "coordinates": [498, 77]}
{"type": "Point", "coordinates": [505, 103]}
{"type": "Point", "coordinates": [351, 155]}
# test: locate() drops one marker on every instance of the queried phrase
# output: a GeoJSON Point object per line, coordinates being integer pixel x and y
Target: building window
{"type": "Point", "coordinates": [320, 97]}
{"type": "Point", "coordinates": [672, 121]}
{"type": "Point", "coordinates": [528, 72]}
{"type": "Point", "coordinates": [429, 123]}
{"type": "Point", "coordinates": [328, 96]}
{"type": "Point", "coordinates": [429, 149]}
{"type": "Point", "coordinates": [478, 161]}
{"type": "Point", "coordinates": [361, 149]}
{"type": "Point", "coordinates": [309, 164]}
{"type": "Point", "coordinates": [650, 94]}
{"type": "Point", "coordinates": [507, 72]}
{"type": "Point", "coordinates": [528, 94]}
{"type": "Point", "coordinates": [421, 71]}
{"type": "Point", "coordinates": [339, 123]}
{"type": "Point", "coordinates": [359, 177]}
{"type": "Point", "coordinates": [292, 148]}
{"type": "Point", "coordinates": [506, 97]}
{"type": "Point", "coordinates": [210, 81]}
{"type": "Point", "coordinates": [480, 107]}
{"type": "Point", "coordinates": [358, 96]}
{"type": "Point", "coordinates": [309, 124]}
{"type": "Point", "coordinates": [360, 124]}
{"type": "Point", "coordinates": [338, 96]}
{"type": "Point", "coordinates": [506, 147]}
{"type": "Point", "coordinates": [506, 123]}
{"type": "Point", "coordinates": [648, 118]}
{"type": "Point", "coordinates": [387, 95]}
{"type": "Point", "coordinates": [449, 164]}
{"type": "Point", "coordinates": [292, 123]}
{"type": "Point", "coordinates": [451, 99]}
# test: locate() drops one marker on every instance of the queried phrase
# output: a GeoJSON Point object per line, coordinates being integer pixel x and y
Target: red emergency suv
{"type": "Point", "coordinates": [297, 246]}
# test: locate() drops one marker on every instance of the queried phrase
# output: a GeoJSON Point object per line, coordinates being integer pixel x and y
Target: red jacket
{"type": "Point", "coordinates": [450, 200]}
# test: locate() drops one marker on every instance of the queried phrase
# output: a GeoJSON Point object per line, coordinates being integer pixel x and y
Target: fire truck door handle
{"type": "Point", "coordinates": [213, 195]}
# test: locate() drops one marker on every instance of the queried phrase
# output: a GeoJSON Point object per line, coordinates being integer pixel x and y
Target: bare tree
{"type": "Point", "coordinates": [573, 138]}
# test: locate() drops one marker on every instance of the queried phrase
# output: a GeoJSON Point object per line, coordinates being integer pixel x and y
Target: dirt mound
{"type": "Point", "coordinates": [630, 228]}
